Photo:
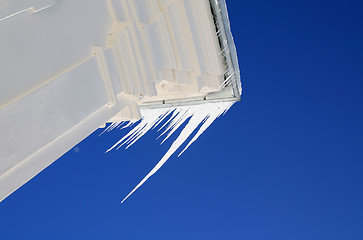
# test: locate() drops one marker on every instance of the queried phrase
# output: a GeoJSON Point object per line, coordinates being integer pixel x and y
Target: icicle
{"type": "Point", "coordinates": [203, 114]}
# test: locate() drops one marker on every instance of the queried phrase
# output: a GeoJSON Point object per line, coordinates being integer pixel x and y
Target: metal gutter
{"type": "Point", "coordinates": [187, 102]}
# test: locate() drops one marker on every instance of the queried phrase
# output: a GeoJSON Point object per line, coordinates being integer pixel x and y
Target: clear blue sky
{"type": "Point", "coordinates": [285, 163]}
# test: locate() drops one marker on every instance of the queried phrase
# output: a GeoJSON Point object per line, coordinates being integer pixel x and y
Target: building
{"type": "Point", "coordinates": [69, 67]}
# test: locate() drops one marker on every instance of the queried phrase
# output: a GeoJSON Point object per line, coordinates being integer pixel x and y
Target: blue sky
{"type": "Point", "coordinates": [284, 163]}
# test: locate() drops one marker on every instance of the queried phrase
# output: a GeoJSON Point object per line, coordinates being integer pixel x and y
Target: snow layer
{"type": "Point", "coordinates": [201, 116]}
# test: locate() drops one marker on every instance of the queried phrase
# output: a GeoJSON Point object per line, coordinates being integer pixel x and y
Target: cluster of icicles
{"type": "Point", "coordinates": [199, 117]}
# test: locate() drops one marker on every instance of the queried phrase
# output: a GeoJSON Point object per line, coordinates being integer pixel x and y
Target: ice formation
{"type": "Point", "coordinates": [201, 116]}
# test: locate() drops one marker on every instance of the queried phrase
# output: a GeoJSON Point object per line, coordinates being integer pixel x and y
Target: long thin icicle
{"type": "Point", "coordinates": [203, 115]}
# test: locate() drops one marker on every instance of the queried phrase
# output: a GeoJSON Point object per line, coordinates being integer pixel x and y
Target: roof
{"type": "Point", "coordinates": [68, 68]}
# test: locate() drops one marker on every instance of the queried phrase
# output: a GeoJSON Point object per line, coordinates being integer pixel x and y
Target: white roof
{"type": "Point", "coordinates": [68, 67]}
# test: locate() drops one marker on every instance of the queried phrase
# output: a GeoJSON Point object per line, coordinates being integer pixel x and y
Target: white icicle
{"type": "Point", "coordinates": [212, 116]}
{"type": "Point", "coordinates": [203, 115]}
